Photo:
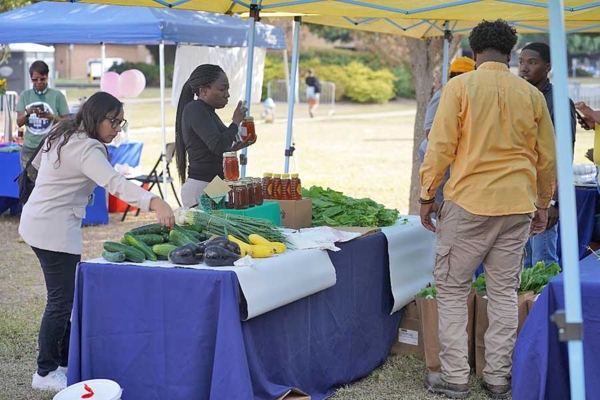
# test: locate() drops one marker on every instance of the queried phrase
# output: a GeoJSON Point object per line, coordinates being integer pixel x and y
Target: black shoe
{"type": "Point", "coordinates": [435, 383]}
{"type": "Point", "coordinates": [311, 114]}
{"type": "Point", "coordinates": [496, 391]}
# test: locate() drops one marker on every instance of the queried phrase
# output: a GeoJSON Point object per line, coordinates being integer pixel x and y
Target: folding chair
{"type": "Point", "coordinates": [154, 178]}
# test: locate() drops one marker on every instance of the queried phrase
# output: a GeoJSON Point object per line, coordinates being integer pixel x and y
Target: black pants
{"type": "Point", "coordinates": [53, 341]}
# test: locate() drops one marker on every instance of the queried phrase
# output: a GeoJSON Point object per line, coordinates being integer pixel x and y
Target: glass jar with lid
{"type": "Point", "coordinates": [231, 167]}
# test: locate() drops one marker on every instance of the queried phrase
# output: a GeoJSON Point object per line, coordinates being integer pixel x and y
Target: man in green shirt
{"type": "Point", "coordinates": [38, 109]}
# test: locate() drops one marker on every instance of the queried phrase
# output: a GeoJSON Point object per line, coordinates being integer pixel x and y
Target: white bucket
{"type": "Point", "coordinates": [102, 389]}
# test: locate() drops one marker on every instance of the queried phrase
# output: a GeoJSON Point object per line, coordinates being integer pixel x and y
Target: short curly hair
{"type": "Point", "coordinates": [493, 35]}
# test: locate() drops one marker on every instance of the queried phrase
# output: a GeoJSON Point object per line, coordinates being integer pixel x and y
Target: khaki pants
{"type": "Point", "coordinates": [464, 241]}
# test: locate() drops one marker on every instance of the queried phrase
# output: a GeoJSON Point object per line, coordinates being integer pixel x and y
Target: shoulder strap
{"type": "Point", "coordinates": [34, 155]}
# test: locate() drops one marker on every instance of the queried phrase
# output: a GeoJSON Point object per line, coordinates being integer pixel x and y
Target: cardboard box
{"type": "Point", "coordinates": [410, 339]}
{"type": "Point", "coordinates": [295, 214]}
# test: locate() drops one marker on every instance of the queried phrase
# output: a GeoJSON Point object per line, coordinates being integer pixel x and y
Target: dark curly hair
{"type": "Point", "coordinates": [493, 35]}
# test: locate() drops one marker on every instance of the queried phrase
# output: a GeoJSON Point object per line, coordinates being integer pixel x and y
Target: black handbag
{"type": "Point", "coordinates": [26, 185]}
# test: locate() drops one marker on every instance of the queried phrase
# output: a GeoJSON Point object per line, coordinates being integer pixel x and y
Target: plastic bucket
{"type": "Point", "coordinates": [94, 389]}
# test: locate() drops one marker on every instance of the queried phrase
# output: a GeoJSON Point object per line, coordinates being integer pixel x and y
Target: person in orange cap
{"type": "Point", "coordinates": [459, 66]}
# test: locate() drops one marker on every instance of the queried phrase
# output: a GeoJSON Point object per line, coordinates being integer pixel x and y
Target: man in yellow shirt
{"type": "Point", "coordinates": [495, 130]}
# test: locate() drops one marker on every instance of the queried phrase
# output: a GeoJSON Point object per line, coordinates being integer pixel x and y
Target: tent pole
{"type": "Point", "coordinates": [566, 192]}
{"type": "Point", "coordinates": [287, 72]}
{"type": "Point", "coordinates": [446, 54]}
{"type": "Point", "coordinates": [250, 52]}
{"type": "Point", "coordinates": [292, 93]}
{"type": "Point", "coordinates": [102, 57]}
{"type": "Point", "coordinates": [163, 119]}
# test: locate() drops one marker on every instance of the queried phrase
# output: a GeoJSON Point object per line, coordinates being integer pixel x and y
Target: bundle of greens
{"type": "Point", "coordinates": [428, 292]}
{"type": "Point", "coordinates": [479, 283]}
{"type": "Point", "coordinates": [222, 224]}
{"type": "Point", "coordinates": [537, 277]}
{"type": "Point", "coordinates": [331, 208]}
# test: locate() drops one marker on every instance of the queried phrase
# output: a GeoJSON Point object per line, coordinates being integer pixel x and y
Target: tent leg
{"type": "Point", "coordinates": [446, 55]}
{"type": "Point", "coordinates": [161, 54]}
{"type": "Point", "coordinates": [566, 191]}
{"type": "Point", "coordinates": [251, 34]}
{"type": "Point", "coordinates": [292, 93]}
{"type": "Point", "coordinates": [287, 72]}
{"type": "Point", "coordinates": [102, 57]}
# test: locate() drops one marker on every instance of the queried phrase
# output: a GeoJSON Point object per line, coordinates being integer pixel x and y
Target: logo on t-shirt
{"type": "Point", "coordinates": [38, 125]}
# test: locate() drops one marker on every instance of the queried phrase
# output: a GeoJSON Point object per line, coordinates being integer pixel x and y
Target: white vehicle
{"type": "Point", "coordinates": [94, 66]}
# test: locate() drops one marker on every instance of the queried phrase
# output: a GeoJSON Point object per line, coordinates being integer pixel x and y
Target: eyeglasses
{"type": "Point", "coordinates": [117, 123]}
{"type": "Point", "coordinates": [42, 79]}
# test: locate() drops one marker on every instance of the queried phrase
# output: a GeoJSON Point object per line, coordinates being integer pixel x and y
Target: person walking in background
{"type": "Point", "coordinates": [200, 135]}
{"type": "Point", "coordinates": [495, 130]}
{"type": "Point", "coordinates": [458, 67]}
{"type": "Point", "coordinates": [313, 92]}
{"type": "Point", "coordinates": [73, 160]}
{"type": "Point", "coordinates": [38, 110]}
{"type": "Point", "coordinates": [534, 67]}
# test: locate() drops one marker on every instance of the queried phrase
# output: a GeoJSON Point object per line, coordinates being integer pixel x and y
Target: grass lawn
{"type": "Point", "coordinates": [362, 156]}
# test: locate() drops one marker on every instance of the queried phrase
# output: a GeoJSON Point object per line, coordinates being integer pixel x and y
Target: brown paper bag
{"type": "Point", "coordinates": [428, 314]}
{"type": "Point", "coordinates": [482, 323]}
{"type": "Point", "coordinates": [410, 338]}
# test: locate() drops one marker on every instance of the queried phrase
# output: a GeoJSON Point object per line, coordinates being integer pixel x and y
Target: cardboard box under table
{"type": "Point", "coordinates": [268, 210]}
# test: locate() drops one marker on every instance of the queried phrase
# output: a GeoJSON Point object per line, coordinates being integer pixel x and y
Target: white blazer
{"type": "Point", "coordinates": [51, 219]}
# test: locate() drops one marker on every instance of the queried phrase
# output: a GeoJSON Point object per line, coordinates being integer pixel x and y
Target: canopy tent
{"type": "Point", "coordinates": [48, 22]}
{"type": "Point", "coordinates": [555, 11]}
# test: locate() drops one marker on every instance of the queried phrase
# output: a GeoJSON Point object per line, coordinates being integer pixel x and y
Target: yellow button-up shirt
{"type": "Point", "coordinates": [494, 129]}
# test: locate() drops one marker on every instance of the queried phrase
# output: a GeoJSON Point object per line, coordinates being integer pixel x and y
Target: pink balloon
{"type": "Point", "coordinates": [109, 82]}
{"type": "Point", "coordinates": [132, 83]}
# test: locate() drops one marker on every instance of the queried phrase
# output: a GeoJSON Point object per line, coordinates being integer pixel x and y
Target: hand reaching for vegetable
{"type": "Point", "coordinates": [239, 113]}
{"type": "Point", "coordinates": [164, 212]}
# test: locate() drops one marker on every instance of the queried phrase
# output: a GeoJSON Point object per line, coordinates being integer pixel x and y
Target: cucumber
{"type": "Point", "coordinates": [138, 244]}
{"type": "Point", "coordinates": [116, 257]}
{"type": "Point", "coordinates": [150, 228]}
{"type": "Point", "coordinates": [131, 253]}
{"type": "Point", "coordinates": [163, 249]}
{"type": "Point", "coordinates": [151, 238]}
{"type": "Point", "coordinates": [196, 228]}
{"type": "Point", "coordinates": [179, 239]}
{"type": "Point", "coordinates": [190, 234]}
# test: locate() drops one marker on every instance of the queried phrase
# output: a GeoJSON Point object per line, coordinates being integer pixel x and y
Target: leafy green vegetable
{"type": "Point", "coordinates": [428, 292]}
{"type": "Point", "coordinates": [479, 283]}
{"type": "Point", "coordinates": [332, 208]}
{"type": "Point", "coordinates": [537, 277]}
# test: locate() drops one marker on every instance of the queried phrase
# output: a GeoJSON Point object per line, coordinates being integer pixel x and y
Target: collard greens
{"type": "Point", "coordinates": [331, 208]}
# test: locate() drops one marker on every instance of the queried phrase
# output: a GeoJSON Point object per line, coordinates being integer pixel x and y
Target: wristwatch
{"type": "Point", "coordinates": [554, 203]}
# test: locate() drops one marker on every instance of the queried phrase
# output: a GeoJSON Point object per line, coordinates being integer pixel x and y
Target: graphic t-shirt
{"type": "Point", "coordinates": [54, 102]}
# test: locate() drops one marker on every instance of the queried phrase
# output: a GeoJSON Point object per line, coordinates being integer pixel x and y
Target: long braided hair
{"type": "Point", "coordinates": [202, 77]}
{"type": "Point", "coordinates": [95, 110]}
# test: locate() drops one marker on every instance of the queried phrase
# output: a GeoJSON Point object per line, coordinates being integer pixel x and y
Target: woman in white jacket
{"type": "Point", "coordinates": [72, 162]}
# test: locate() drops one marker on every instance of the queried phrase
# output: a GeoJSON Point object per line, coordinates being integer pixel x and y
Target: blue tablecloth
{"type": "Point", "coordinates": [177, 334]}
{"type": "Point", "coordinates": [127, 153]}
{"type": "Point", "coordinates": [10, 168]}
{"type": "Point", "coordinates": [586, 209]}
{"type": "Point", "coordinates": [540, 367]}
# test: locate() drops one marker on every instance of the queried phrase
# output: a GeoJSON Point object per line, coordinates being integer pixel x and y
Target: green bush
{"type": "Point", "coordinates": [368, 86]}
{"type": "Point", "coordinates": [150, 71]}
{"type": "Point", "coordinates": [336, 74]}
{"type": "Point", "coordinates": [404, 86]}
{"type": "Point", "coordinates": [582, 73]}
{"type": "Point", "coordinates": [341, 57]}
{"type": "Point", "coordinates": [273, 70]}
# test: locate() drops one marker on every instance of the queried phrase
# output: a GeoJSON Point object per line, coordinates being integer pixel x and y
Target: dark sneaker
{"type": "Point", "coordinates": [496, 391]}
{"type": "Point", "coordinates": [435, 383]}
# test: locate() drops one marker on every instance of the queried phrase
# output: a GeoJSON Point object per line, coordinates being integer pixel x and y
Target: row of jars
{"type": "Point", "coordinates": [244, 193]}
{"type": "Point", "coordinates": [281, 186]}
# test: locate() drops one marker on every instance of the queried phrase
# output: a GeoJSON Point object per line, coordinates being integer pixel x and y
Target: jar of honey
{"type": "Point", "coordinates": [249, 182]}
{"type": "Point", "coordinates": [240, 196]}
{"type": "Point", "coordinates": [276, 187]}
{"type": "Point", "coordinates": [231, 167]}
{"type": "Point", "coordinates": [248, 131]}
{"type": "Point", "coordinates": [285, 187]}
{"type": "Point", "coordinates": [267, 185]}
{"type": "Point", "coordinates": [295, 187]}
{"type": "Point", "coordinates": [229, 201]}
{"type": "Point", "coordinates": [258, 192]}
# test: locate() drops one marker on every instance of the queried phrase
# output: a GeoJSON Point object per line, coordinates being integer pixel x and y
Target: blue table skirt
{"type": "Point", "coordinates": [586, 199]}
{"type": "Point", "coordinates": [10, 167]}
{"type": "Point", "coordinates": [177, 334]}
{"type": "Point", "coordinates": [541, 365]}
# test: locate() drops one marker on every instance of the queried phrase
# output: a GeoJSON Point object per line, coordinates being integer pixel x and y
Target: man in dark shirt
{"type": "Point", "coordinates": [534, 66]}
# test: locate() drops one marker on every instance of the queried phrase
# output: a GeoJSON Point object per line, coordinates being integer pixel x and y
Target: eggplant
{"type": "Point", "coordinates": [188, 254]}
{"type": "Point", "coordinates": [217, 256]}
{"type": "Point", "coordinates": [225, 243]}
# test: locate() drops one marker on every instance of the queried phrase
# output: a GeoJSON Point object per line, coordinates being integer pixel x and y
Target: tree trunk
{"type": "Point", "coordinates": [426, 57]}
